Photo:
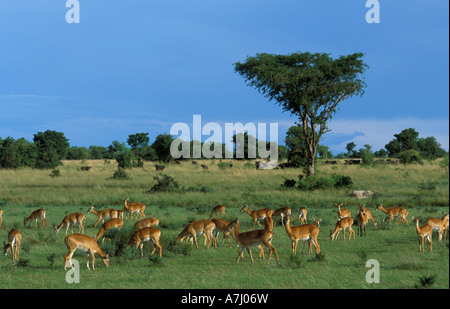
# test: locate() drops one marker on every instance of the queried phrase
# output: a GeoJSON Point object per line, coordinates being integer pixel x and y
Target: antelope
{"type": "Point", "coordinates": [423, 232]}
{"type": "Point", "coordinates": [446, 228]}
{"type": "Point", "coordinates": [1, 218]}
{"type": "Point", "coordinates": [147, 233]}
{"type": "Point", "coordinates": [135, 207]}
{"type": "Point", "coordinates": [251, 238]}
{"type": "Point", "coordinates": [342, 213]}
{"type": "Point", "coordinates": [394, 212]}
{"type": "Point", "coordinates": [218, 209]}
{"type": "Point", "coordinates": [362, 220]}
{"type": "Point", "coordinates": [257, 214]}
{"type": "Point", "coordinates": [110, 224]}
{"type": "Point", "coordinates": [147, 222]}
{"type": "Point", "coordinates": [305, 232]}
{"type": "Point", "coordinates": [86, 244]}
{"type": "Point", "coordinates": [205, 227]}
{"type": "Point", "coordinates": [438, 224]}
{"type": "Point", "coordinates": [363, 209]}
{"type": "Point", "coordinates": [342, 224]}
{"type": "Point", "coordinates": [302, 212]}
{"type": "Point", "coordinates": [69, 221]}
{"type": "Point", "coordinates": [35, 215]}
{"type": "Point", "coordinates": [221, 226]}
{"type": "Point", "coordinates": [103, 214]}
{"type": "Point", "coordinates": [282, 212]}
{"type": "Point", "coordinates": [14, 239]}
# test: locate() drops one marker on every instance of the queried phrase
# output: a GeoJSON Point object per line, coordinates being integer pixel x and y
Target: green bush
{"type": "Point", "coordinates": [120, 174]}
{"type": "Point", "coordinates": [165, 183]}
{"type": "Point", "coordinates": [316, 183]}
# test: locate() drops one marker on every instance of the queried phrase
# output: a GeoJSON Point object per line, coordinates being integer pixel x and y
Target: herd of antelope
{"type": "Point", "coordinates": [145, 229]}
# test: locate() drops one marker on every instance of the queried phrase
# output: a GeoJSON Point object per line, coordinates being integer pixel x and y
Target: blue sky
{"type": "Point", "coordinates": [143, 65]}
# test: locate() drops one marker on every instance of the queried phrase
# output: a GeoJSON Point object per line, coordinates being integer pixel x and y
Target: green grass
{"type": "Point", "coordinates": [422, 189]}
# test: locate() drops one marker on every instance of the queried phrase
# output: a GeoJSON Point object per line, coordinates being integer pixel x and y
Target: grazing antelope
{"type": "Point", "coordinates": [218, 209]}
{"type": "Point", "coordinates": [282, 212]}
{"type": "Point", "coordinates": [438, 224]}
{"type": "Point", "coordinates": [302, 212]}
{"type": "Point", "coordinates": [86, 244]}
{"type": "Point", "coordinates": [103, 214]}
{"type": "Point", "coordinates": [147, 222]}
{"type": "Point", "coordinates": [393, 213]}
{"type": "Point", "coordinates": [342, 213]}
{"type": "Point", "coordinates": [257, 214]}
{"type": "Point", "coordinates": [305, 232]}
{"type": "Point", "coordinates": [205, 227]}
{"type": "Point", "coordinates": [1, 218]}
{"type": "Point", "coordinates": [35, 215]}
{"type": "Point", "coordinates": [134, 207]}
{"type": "Point", "coordinates": [251, 238]}
{"type": "Point", "coordinates": [14, 239]}
{"type": "Point", "coordinates": [147, 233]}
{"type": "Point", "coordinates": [70, 220]}
{"type": "Point", "coordinates": [424, 232]}
{"type": "Point", "coordinates": [115, 223]}
{"type": "Point", "coordinates": [363, 209]}
{"type": "Point", "coordinates": [221, 226]}
{"type": "Point", "coordinates": [342, 224]}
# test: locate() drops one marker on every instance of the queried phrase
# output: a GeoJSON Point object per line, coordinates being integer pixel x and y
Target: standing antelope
{"type": "Point", "coordinates": [438, 224]}
{"type": "Point", "coordinates": [115, 223]}
{"type": "Point", "coordinates": [147, 233]}
{"type": "Point", "coordinates": [257, 214]}
{"type": "Point", "coordinates": [70, 220]}
{"type": "Point", "coordinates": [302, 212]}
{"type": "Point", "coordinates": [342, 213]}
{"type": "Point", "coordinates": [134, 207]}
{"type": "Point", "coordinates": [221, 226]}
{"type": "Point", "coordinates": [362, 220]}
{"type": "Point", "coordinates": [103, 214]}
{"type": "Point", "coordinates": [363, 209]}
{"type": "Point", "coordinates": [282, 212]}
{"type": "Point", "coordinates": [251, 238]}
{"type": "Point", "coordinates": [35, 215]}
{"type": "Point", "coordinates": [424, 232]}
{"type": "Point", "coordinates": [218, 209]}
{"type": "Point", "coordinates": [342, 224]}
{"type": "Point", "coordinates": [14, 239]}
{"type": "Point", "coordinates": [393, 213]}
{"type": "Point", "coordinates": [86, 244]}
{"type": "Point", "coordinates": [205, 227]}
{"type": "Point", "coordinates": [305, 232]}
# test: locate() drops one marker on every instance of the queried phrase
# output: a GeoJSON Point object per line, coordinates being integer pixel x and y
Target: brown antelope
{"type": "Point", "coordinates": [103, 214]}
{"type": "Point", "coordinates": [218, 209]}
{"type": "Point", "coordinates": [362, 220]}
{"type": "Point", "coordinates": [342, 213]}
{"type": "Point", "coordinates": [251, 238]}
{"type": "Point", "coordinates": [446, 228]}
{"type": "Point", "coordinates": [393, 213]}
{"type": "Point", "coordinates": [115, 223]}
{"type": "Point", "coordinates": [86, 244]}
{"type": "Point", "coordinates": [424, 232]}
{"type": "Point", "coordinates": [438, 224]}
{"type": "Point", "coordinates": [342, 224]}
{"type": "Point", "coordinates": [302, 212]}
{"type": "Point", "coordinates": [134, 207]}
{"type": "Point", "coordinates": [35, 215]}
{"type": "Point", "coordinates": [147, 222]}
{"type": "Point", "coordinates": [305, 232]}
{"type": "Point", "coordinates": [14, 239]}
{"type": "Point", "coordinates": [147, 233]}
{"type": "Point", "coordinates": [1, 218]}
{"type": "Point", "coordinates": [221, 226]}
{"type": "Point", "coordinates": [363, 209]}
{"type": "Point", "coordinates": [205, 227]}
{"type": "Point", "coordinates": [70, 220]}
{"type": "Point", "coordinates": [281, 212]}
{"type": "Point", "coordinates": [257, 214]}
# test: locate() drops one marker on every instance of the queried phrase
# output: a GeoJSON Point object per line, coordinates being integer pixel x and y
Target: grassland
{"type": "Point", "coordinates": [422, 189]}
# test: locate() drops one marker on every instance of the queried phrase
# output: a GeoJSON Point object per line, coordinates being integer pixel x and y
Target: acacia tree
{"type": "Point", "coordinates": [309, 86]}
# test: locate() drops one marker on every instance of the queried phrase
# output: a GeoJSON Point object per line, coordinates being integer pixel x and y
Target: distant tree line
{"type": "Point", "coordinates": [50, 147]}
